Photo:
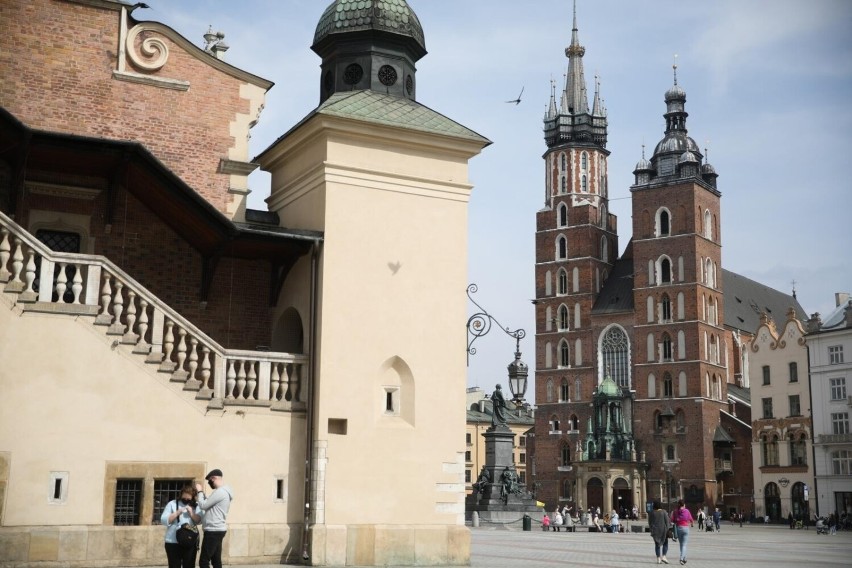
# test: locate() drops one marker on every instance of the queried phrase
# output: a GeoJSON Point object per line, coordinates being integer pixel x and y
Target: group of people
{"type": "Point", "coordinates": [183, 515]}
{"type": "Point", "coordinates": [609, 523]}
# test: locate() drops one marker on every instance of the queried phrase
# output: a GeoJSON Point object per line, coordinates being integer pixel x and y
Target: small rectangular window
{"type": "Point", "coordinates": [794, 372]}
{"type": "Point", "coordinates": [467, 476]}
{"type": "Point", "coordinates": [795, 409]}
{"type": "Point", "coordinates": [523, 441]}
{"type": "Point", "coordinates": [58, 487]}
{"type": "Point", "coordinates": [280, 492]}
{"type": "Point", "coordinates": [522, 458]}
{"type": "Point", "coordinates": [468, 438]}
{"type": "Point", "coordinates": [838, 388]}
{"type": "Point", "coordinates": [767, 408]}
{"type": "Point", "coordinates": [766, 377]}
{"type": "Point", "coordinates": [467, 456]}
{"type": "Point", "coordinates": [835, 354]}
{"type": "Point", "coordinates": [840, 422]}
{"type": "Point", "coordinates": [128, 502]}
{"type": "Point", "coordinates": [166, 490]}
{"type": "Point", "coordinates": [338, 426]}
{"type": "Point", "coordinates": [389, 401]}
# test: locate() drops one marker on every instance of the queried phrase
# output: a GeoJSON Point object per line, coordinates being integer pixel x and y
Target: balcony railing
{"type": "Point", "coordinates": [723, 466]}
{"type": "Point", "coordinates": [834, 438]}
{"type": "Point", "coordinates": [80, 284]}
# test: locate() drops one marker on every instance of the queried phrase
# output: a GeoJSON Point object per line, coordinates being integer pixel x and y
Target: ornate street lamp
{"type": "Point", "coordinates": [518, 372]}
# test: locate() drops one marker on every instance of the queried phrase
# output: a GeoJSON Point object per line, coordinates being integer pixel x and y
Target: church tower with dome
{"type": "Point", "coordinates": [632, 355]}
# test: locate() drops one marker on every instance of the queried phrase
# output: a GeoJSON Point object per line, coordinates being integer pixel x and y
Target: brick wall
{"type": "Point", "coordinates": [57, 60]}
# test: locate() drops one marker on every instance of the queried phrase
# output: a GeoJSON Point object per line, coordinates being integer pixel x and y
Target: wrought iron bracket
{"type": "Point", "coordinates": [480, 323]}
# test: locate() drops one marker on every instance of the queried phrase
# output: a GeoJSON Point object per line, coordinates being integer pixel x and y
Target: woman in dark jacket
{"type": "Point", "coordinates": [659, 522]}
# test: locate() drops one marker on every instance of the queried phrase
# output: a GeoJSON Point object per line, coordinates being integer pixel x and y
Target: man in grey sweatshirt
{"type": "Point", "coordinates": [214, 514]}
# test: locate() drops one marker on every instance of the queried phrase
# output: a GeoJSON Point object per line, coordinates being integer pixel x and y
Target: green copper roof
{"type": "Point", "coordinates": [608, 387]}
{"type": "Point", "coordinates": [378, 108]}
{"type": "Point", "coordinates": [394, 16]}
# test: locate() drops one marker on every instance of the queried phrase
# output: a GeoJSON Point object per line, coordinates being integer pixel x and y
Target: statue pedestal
{"type": "Point", "coordinates": [500, 500]}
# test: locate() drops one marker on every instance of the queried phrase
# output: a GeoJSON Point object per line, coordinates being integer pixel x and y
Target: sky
{"type": "Point", "coordinates": [768, 83]}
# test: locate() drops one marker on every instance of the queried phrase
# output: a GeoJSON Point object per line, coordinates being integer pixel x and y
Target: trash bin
{"type": "Point", "coordinates": [527, 523]}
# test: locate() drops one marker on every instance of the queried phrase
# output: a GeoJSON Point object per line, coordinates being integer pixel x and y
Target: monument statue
{"type": "Point", "coordinates": [510, 484]}
{"type": "Point", "coordinates": [482, 481]}
{"type": "Point", "coordinates": [498, 403]}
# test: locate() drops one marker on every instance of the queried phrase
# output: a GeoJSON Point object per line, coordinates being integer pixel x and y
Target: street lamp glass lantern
{"type": "Point", "coordinates": [518, 372]}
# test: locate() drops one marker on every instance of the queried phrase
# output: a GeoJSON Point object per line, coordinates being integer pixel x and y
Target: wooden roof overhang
{"type": "Point", "coordinates": [129, 165]}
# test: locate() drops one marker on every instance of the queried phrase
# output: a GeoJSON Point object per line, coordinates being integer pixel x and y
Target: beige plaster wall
{"type": "Point", "coordinates": [71, 403]}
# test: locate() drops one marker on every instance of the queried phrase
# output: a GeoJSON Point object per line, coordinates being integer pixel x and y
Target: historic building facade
{"type": "Point", "coordinates": [652, 322]}
{"type": "Point", "coordinates": [829, 348]}
{"type": "Point", "coordinates": [781, 421]}
{"type": "Point", "coordinates": [166, 329]}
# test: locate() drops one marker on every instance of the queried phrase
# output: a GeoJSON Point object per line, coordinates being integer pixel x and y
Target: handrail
{"type": "Point", "coordinates": [176, 344]}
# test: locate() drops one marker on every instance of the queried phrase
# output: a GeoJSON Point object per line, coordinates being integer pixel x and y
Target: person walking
{"type": "Point", "coordinates": [214, 511]}
{"type": "Point", "coordinates": [700, 518]}
{"type": "Point", "coordinates": [717, 519]}
{"type": "Point", "coordinates": [682, 519]}
{"type": "Point", "coordinates": [659, 523]}
{"type": "Point", "coordinates": [177, 513]}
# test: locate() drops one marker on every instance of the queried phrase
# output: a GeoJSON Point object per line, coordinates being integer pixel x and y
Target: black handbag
{"type": "Point", "coordinates": [187, 535]}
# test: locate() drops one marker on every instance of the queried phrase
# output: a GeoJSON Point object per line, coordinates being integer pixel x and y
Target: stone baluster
{"type": "Point", "coordinates": [29, 295]}
{"type": "Point", "coordinates": [180, 373]}
{"type": "Point", "coordinates": [5, 253]}
{"type": "Point", "coordinates": [16, 284]}
{"type": "Point", "coordinates": [104, 318]}
{"type": "Point", "coordinates": [192, 384]}
{"type": "Point", "coordinates": [231, 381]}
{"type": "Point", "coordinates": [251, 379]}
{"type": "Point", "coordinates": [287, 382]}
{"type": "Point", "coordinates": [130, 337]}
{"type": "Point", "coordinates": [167, 365]}
{"type": "Point", "coordinates": [61, 283]}
{"type": "Point", "coordinates": [142, 346]}
{"type": "Point", "coordinates": [206, 391]}
{"type": "Point", "coordinates": [241, 380]}
{"type": "Point", "coordinates": [46, 287]}
{"type": "Point", "coordinates": [117, 328]}
{"type": "Point", "coordinates": [77, 283]}
{"type": "Point", "coordinates": [275, 383]}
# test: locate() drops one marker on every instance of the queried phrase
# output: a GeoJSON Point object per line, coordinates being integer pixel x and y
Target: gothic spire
{"type": "Point", "coordinates": [575, 99]}
{"type": "Point", "coordinates": [597, 106]}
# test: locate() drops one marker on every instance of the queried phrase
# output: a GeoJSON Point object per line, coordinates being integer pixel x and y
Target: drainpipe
{"type": "Point", "coordinates": [311, 401]}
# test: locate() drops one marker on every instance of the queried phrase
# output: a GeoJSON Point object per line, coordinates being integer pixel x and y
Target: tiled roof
{"type": "Point", "coordinates": [617, 292]}
{"type": "Point", "coordinates": [370, 106]}
{"type": "Point", "coordinates": [745, 299]}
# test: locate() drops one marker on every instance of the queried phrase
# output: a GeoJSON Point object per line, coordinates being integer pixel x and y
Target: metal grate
{"type": "Point", "coordinates": [128, 501]}
{"type": "Point", "coordinates": [59, 241]}
{"type": "Point", "coordinates": [166, 490]}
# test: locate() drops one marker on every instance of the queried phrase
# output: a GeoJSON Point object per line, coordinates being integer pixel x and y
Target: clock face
{"type": "Point", "coordinates": [387, 75]}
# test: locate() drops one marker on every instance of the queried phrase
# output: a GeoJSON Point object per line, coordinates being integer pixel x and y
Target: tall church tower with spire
{"type": "Point", "coordinates": [632, 357]}
{"type": "Point", "coordinates": [576, 246]}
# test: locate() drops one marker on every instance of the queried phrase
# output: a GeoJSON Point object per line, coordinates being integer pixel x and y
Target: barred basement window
{"type": "Point", "coordinates": [128, 502]}
{"type": "Point", "coordinates": [166, 490]}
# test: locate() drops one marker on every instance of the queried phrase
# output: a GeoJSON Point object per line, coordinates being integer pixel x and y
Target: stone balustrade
{"type": "Point", "coordinates": [89, 285]}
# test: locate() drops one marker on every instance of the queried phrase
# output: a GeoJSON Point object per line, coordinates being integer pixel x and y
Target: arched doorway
{"type": "Point", "coordinates": [772, 501]}
{"type": "Point", "coordinates": [622, 499]}
{"type": "Point", "coordinates": [287, 337]}
{"type": "Point", "coordinates": [594, 493]}
{"type": "Point", "coordinates": [797, 500]}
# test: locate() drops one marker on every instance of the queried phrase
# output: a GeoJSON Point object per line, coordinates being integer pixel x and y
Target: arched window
{"type": "Point", "coordinates": [604, 216]}
{"type": "Point", "coordinates": [564, 185]}
{"type": "Point", "coordinates": [708, 225]}
{"type": "Point", "coordinates": [681, 306]}
{"type": "Point", "coordinates": [666, 308]}
{"type": "Point", "coordinates": [561, 248]}
{"type": "Point", "coordinates": [652, 386]}
{"type": "Point", "coordinates": [680, 420]}
{"type": "Point", "coordinates": [652, 347]}
{"type": "Point", "coordinates": [548, 355]}
{"type": "Point", "coordinates": [649, 304]}
{"type": "Point", "coordinates": [564, 394]}
{"type": "Point", "coordinates": [584, 161]}
{"type": "Point", "coordinates": [798, 449]}
{"type": "Point", "coordinates": [770, 450]}
{"type": "Point", "coordinates": [665, 270]}
{"type": "Point", "coordinates": [554, 424]}
{"type": "Point", "coordinates": [667, 347]}
{"type": "Point", "coordinates": [549, 390]}
{"type": "Point", "coordinates": [575, 279]}
{"type": "Point", "coordinates": [584, 184]}
{"type": "Point", "coordinates": [563, 318]}
{"type": "Point", "coordinates": [548, 319]}
{"type": "Point", "coordinates": [574, 423]}
{"type": "Point", "coordinates": [565, 455]}
{"type": "Point", "coordinates": [563, 215]}
{"type": "Point", "coordinates": [547, 283]}
{"type": "Point", "coordinates": [681, 345]}
{"type": "Point", "coordinates": [578, 351]}
{"type": "Point", "coordinates": [709, 276]}
{"type": "Point", "coordinates": [562, 288]}
{"type": "Point", "coordinates": [564, 162]}
{"type": "Point", "coordinates": [670, 453]}
{"type": "Point", "coordinates": [604, 249]}
{"type": "Point", "coordinates": [681, 386]}
{"type": "Point", "coordinates": [668, 391]}
{"type": "Point", "coordinates": [564, 354]}
{"type": "Point", "coordinates": [663, 225]}
{"type": "Point", "coordinates": [577, 316]}
{"type": "Point", "coordinates": [658, 420]}
{"type": "Point", "coordinates": [614, 352]}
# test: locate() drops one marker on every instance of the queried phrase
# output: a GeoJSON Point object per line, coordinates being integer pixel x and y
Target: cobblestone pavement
{"type": "Point", "coordinates": [734, 547]}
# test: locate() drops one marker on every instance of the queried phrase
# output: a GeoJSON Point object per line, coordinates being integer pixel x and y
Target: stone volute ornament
{"type": "Point", "coordinates": [150, 54]}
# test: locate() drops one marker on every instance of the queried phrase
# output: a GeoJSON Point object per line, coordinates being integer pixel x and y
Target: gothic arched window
{"type": "Point", "coordinates": [564, 354]}
{"type": "Point", "coordinates": [563, 215]}
{"type": "Point", "coordinates": [562, 287]}
{"type": "Point", "coordinates": [614, 348]}
{"type": "Point", "coordinates": [561, 248]}
{"type": "Point", "coordinates": [563, 318]}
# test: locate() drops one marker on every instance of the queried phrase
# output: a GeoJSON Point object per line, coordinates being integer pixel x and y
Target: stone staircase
{"type": "Point", "coordinates": [90, 288]}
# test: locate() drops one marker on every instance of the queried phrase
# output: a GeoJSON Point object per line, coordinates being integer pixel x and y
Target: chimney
{"type": "Point", "coordinates": [841, 298]}
{"type": "Point", "coordinates": [814, 323]}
